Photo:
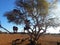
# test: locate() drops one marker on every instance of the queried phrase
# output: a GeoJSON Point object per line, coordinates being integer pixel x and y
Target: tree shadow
{"type": "Point", "coordinates": [20, 42]}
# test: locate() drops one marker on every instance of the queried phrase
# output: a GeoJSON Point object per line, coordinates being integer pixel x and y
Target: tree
{"type": "Point", "coordinates": [34, 14]}
{"type": "Point", "coordinates": [4, 28]}
{"type": "Point", "coordinates": [15, 29]}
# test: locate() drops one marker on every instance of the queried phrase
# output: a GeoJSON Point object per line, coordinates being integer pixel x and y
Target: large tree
{"type": "Point", "coordinates": [35, 15]}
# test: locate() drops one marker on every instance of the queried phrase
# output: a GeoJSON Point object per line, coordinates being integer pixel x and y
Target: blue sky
{"type": "Point", "coordinates": [7, 5]}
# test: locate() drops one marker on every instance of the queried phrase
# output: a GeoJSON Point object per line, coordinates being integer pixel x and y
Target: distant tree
{"type": "Point", "coordinates": [34, 14]}
{"type": "Point", "coordinates": [15, 29]}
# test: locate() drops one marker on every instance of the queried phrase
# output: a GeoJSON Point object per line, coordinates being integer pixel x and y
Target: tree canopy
{"type": "Point", "coordinates": [34, 14]}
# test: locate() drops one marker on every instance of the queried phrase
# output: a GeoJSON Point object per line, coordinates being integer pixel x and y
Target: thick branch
{"type": "Point", "coordinates": [44, 30]}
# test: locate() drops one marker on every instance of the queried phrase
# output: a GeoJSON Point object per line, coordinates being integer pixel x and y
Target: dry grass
{"type": "Point", "coordinates": [6, 39]}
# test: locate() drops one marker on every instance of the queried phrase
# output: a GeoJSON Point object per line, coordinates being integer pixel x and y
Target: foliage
{"type": "Point", "coordinates": [34, 14]}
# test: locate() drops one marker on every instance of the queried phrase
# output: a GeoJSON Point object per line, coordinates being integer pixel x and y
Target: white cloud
{"type": "Point", "coordinates": [56, 11]}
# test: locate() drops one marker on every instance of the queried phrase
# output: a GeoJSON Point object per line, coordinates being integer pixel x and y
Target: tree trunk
{"type": "Point", "coordinates": [32, 42]}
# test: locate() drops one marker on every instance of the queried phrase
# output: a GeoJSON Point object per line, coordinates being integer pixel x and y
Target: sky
{"type": "Point", "coordinates": [7, 5]}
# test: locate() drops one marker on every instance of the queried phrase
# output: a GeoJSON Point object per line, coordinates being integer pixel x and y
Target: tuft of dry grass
{"type": "Point", "coordinates": [6, 39]}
